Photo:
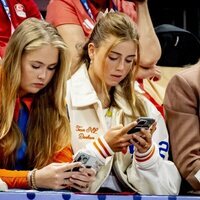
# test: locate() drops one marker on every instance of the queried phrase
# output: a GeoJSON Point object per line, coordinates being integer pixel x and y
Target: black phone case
{"type": "Point", "coordinates": [143, 122]}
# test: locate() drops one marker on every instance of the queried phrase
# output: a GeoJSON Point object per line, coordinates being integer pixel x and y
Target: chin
{"type": "Point", "coordinates": [34, 91]}
{"type": "Point", "coordinates": [113, 84]}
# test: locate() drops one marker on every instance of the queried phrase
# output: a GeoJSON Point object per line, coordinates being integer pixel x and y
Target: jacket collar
{"type": "Point", "coordinates": [82, 91]}
{"type": "Point", "coordinates": [86, 95]}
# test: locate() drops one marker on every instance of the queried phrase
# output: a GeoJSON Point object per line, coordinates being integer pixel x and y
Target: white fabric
{"type": "Point", "coordinates": [154, 176]}
{"type": "Point", "coordinates": [3, 186]}
{"type": "Point", "coordinates": [197, 175]}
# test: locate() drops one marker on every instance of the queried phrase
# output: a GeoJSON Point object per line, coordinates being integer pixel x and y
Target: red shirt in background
{"type": "Point", "coordinates": [61, 12]}
{"type": "Point", "coordinates": [19, 11]}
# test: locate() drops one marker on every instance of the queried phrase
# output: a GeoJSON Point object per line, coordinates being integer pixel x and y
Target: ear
{"type": "Point", "coordinates": [91, 50]}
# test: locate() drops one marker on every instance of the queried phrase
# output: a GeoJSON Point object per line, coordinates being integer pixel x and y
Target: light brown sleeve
{"type": "Point", "coordinates": [181, 105]}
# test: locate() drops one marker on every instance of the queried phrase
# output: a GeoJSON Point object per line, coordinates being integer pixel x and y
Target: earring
{"type": "Point", "coordinates": [90, 61]}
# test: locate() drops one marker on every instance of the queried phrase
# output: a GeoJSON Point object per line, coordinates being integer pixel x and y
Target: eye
{"type": "Point", "coordinates": [35, 66]}
{"type": "Point", "coordinates": [112, 58]}
{"type": "Point", "coordinates": [51, 68]}
{"type": "Point", "coordinates": [129, 61]}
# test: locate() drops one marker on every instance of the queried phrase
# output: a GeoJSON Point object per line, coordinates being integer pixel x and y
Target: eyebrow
{"type": "Point", "coordinates": [43, 63]}
{"type": "Point", "coordinates": [120, 54]}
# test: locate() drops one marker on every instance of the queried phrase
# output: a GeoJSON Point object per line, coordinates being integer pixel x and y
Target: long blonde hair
{"type": "Point", "coordinates": [48, 129]}
{"type": "Point", "coordinates": [123, 28]}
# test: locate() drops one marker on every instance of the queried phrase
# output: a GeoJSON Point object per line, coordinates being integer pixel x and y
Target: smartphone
{"type": "Point", "coordinates": [87, 160]}
{"type": "Point", "coordinates": [142, 122]}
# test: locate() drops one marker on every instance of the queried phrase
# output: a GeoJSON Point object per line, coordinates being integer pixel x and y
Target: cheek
{"type": "Point", "coordinates": [50, 76]}
{"type": "Point", "coordinates": [128, 70]}
{"type": "Point", "coordinates": [98, 67]}
{"type": "Point", "coordinates": [126, 73]}
{"type": "Point", "coordinates": [25, 77]}
{"type": "Point", "coordinates": [109, 66]}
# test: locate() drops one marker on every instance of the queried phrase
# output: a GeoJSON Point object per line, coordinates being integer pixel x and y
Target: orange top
{"type": "Point", "coordinates": [18, 179]}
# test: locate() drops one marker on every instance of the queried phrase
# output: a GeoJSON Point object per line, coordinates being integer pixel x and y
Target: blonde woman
{"type": "Point", "coordinates": [103, 107]}
{"type": "Point", "coordinates": [34, 128]}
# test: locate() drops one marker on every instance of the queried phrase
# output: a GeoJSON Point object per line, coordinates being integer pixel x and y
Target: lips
{"type": "Point", "coordinates": [38, 85]}
{"type": "Point", "coordinates": [116, 76]}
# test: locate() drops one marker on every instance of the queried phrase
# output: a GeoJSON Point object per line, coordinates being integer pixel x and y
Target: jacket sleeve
{"type": "Point", "coordinates": [14, 178]}
{"type": "Point", "coordinates": [146, 172]}
{"type": "Point", "coordinates": [182, 115]}
{"type": "Point", "coordinates": [65, 155]}
{"type": "Point", "coordinates": [98, 149]}
{"type": "Point", "coordinates": [18, 179]}
{"type": "Point", "coordinates": [152, 172]}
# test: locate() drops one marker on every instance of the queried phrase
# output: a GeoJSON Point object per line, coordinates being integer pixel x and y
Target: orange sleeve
{"type": "Point", "coordinates": [14, 178]}
{"type": "Point", "coordinates": [65, 155]}
{"type": "Point", "coordinates": [18, 179]}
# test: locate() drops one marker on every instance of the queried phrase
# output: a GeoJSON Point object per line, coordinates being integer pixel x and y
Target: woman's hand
{"type": "Point", "coordinates": [57, 176]}
{"type": "Point", "coordinates": [143, 140]}
{"type": "Point", "coordinates": [83, 181]}
{"type": "Point", "coordinates": [117, 137]}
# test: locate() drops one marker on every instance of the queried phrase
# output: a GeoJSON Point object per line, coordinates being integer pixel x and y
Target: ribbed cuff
{"type": "Point", "coordinates": [101, 148]}
{"type": "Point", "coordinates": [149, 158]}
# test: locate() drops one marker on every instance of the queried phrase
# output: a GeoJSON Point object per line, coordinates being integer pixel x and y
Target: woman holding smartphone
{"type": "Point", "coordinates": [103, 106]}
{"type": "Point", "coordinates": [35, 148]}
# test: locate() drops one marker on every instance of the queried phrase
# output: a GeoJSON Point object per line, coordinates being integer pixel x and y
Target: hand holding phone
{"type": "Point", "coordinates": [87, 160]}
{"type": "Point", "coordinates": [142, 122]}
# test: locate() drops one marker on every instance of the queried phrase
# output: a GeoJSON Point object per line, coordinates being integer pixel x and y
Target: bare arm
{"type": "Point", "coordinates": [151, 50]}
{"type": "Point", "coordinates": [73, 36]}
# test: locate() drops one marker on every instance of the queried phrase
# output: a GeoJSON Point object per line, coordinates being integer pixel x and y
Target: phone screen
{"type": "Point", "coordinates": [142, 122]}
{"type": "Point", "coordinates": [87, 160]}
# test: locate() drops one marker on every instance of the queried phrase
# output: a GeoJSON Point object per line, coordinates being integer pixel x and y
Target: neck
{"type": "Point", "coordinates": [105, 102]}
{"type": "Point", "coordinates": [97, 84]}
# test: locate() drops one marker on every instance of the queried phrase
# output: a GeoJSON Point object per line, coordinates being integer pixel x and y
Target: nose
{"type": "Point", "coordinates": [121, 65]}
{"type": "Point", "coordinates": [42, 74]}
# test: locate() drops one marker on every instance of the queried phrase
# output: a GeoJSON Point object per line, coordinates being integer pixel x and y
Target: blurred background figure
{"type": "Point", "coordinates": [33, 107]}
{"type": "Point", "coordinates": [12, 13]}
{"type": "Point", "coordinates": [182, 110]}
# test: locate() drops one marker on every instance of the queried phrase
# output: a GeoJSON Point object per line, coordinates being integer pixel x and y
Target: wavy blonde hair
{"type": "Point", "coordinates": [120, 26]}
{"type": "Point", "coordinates": [48, 129]}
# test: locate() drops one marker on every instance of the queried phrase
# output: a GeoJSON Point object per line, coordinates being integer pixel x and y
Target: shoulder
{"type": "Point", "coordinates": [183, 91]}
{"type": "Point", "coordinates": [188, 78]}
{"type": "Point", "coordinates": [66, 12]}
{"type": "Point", "coordinates": [192, 72]}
